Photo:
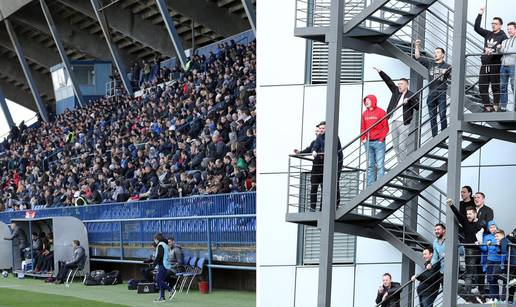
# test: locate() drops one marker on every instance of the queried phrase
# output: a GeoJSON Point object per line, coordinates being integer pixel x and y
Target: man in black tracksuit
{"type": "Point", "coordinates": [471, 226]}
{"type": "Point", "coordinates": [429, 280]}
{"type": "Point", "coordinates": [490, 69]}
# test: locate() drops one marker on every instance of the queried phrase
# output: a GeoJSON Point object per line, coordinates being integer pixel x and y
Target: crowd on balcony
{"type": "Point", "coordinates": [194, 136]}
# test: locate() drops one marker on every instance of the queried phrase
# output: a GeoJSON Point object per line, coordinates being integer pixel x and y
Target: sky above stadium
{"type": "Point", "coordinates": [18, 113]}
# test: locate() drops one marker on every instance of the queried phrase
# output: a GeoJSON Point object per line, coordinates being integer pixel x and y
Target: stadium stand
{"type": "Point", "coordinates": [193, 136]}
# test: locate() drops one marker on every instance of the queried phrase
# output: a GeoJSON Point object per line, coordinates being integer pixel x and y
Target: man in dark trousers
{"type": "Point", "coordinates": [490, 68]}
{"type": "Point", "coordinates": [438, 71]}
{"type": "Point", "coordinates": [471, 226]}
{"type": "Point", "coordinates": [401, 119]}
{"type": "Point", "coordinates": [429, 280]}
{"type": "Point", "coordinates": [21, 239]}
{"type": "Point", "coordinates": [388, 293]}
{"type": "Point", "coordinates": [316, 175]}
{"type": "Point", "coordinates": [318, 152]}
{"type": "Point", "coordinates": [79, 258]}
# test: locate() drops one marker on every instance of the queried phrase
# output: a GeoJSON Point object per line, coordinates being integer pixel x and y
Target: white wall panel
{"type": "Point", "coordinates": [276, 286]}
{"type": "Point", "coordinates": [384, 252]}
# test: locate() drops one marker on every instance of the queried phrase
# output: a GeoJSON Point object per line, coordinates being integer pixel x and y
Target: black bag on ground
{"type": "Point", "coordinates": [132, 284]}
{"type": "Point", "coordinates": [112, 278]}
{"type": "Point", "coordinates": [94, 278]}
{"type": "Point", "coordinates": [147, 287]}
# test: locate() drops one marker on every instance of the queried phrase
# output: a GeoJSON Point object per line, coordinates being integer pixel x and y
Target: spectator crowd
{"type": "Point", "coordinates": [196, 135]}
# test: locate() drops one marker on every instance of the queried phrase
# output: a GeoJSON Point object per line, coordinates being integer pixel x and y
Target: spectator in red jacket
{"type": "Point", "coordinates": [374, 129]}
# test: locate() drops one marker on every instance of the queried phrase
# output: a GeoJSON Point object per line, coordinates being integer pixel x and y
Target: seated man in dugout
{"type": "Point", "coordinates": [78, 261]}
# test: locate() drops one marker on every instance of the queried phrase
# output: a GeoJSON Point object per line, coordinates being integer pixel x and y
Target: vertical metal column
{"type": "Point", "coordinates": [329, 195]}
{"type": "Point", "coordinates": [455, 150]}
{"type": "Point", "coordinates": [410, 214]}
{"type": "Point", "coordinates": [5, 110]}
{"type": "Point", "coordinates": [62, 52]}
{"type": "Point", "coordinates": [210, 255]}
{"type": "Point", "coordinates": [112, 47]}
{"type": "Point", "coordinates": [26, 70]}
{"type": "Point", "coordinates": [251, 14]}
{"type": "Point", "coordinates": [174, 37]}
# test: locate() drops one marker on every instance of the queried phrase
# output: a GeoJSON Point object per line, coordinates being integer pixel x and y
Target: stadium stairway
{"type": "Point", "coordinates": [379, 210]}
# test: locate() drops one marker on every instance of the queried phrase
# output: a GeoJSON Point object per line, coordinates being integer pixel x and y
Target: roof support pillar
{"type": "Point", "coordinates": [171, 29]}
{"type": "Point", "coordinates": [111, 46]}
{"type": "Point", "coordinates": [251, 13]}
{"type": "Point", "coordinates": [5, 110]}
{"type": "Point", "coordinates": [62, 52]}
{"type": "Point", "coordinates": [26, 70]}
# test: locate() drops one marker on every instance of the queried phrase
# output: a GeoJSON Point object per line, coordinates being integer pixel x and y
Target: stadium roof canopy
{"type": "Point", "coordinates": [136, 27]}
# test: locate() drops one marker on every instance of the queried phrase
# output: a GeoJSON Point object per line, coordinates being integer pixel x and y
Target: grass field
{"type": "Point", "coordinates": [34, 292]}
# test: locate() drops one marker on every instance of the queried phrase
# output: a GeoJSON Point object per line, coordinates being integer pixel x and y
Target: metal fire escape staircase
{"type": "Point", "coordinates": [377, 210]}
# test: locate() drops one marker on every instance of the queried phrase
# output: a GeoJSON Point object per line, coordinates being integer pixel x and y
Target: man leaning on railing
{"type": "Point", "coordinates": [429, 280]}
{"type": "Point", "coordinates": [388, 294]}
{"type": "Point", "coordinates": [512, 263]}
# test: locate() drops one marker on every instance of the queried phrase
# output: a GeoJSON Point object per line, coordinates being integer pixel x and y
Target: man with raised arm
{"type": "Point", "coordinates": [490, 68]}
{"type": "Point", "coordinates": [400, 111]}
{"type": "Point", "coordinates": [439, 72]}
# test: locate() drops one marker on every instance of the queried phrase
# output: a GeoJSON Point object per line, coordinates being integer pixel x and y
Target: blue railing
{"type": "Point", "coordinates": [184, 218]}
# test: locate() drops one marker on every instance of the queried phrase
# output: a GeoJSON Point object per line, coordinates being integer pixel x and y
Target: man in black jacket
{"type": "Point", "coordinates": [388, 293]}
{"type": "Point", "coordinates": [471, 226]}
{"type": "Point", "coordinates": [490, 69]}
{"type": "Point", "coordinates": [484, 213]}
{"type": "Point", "coordinates": [429, 280]}
{"type": "Point", "coordinates": [21, 238]}
{"type": "Point", "coordinates": [404, 105]}
{"type": "Point", "coordinates": [316, 175]}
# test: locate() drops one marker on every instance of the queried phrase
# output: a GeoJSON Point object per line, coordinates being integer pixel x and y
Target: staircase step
{"type": "Point", "coordinates": [436, 157]}
{"type": "Point", "coordinates": [397, 11]}
{"type": "Point", "coordinates": [372, 206]}
{"type": "Point", "coordinates": [472, 139]}
{"type": "Point", "coordinates": [415, 177]}
{"type": "Point", "coordinates": [384, 21]}
{"type": "Point", "coordinates": [434, 169]}
{"type": "Point", "coordinates": [403, 187]}
{"type": "Point", "coordinates": [416, 2]}
{"type": "Point", "coordinates": [391, 197]}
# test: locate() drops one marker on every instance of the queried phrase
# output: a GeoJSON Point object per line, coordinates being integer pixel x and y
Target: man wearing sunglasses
{"type": "Point", "coordinates": [490, 69]}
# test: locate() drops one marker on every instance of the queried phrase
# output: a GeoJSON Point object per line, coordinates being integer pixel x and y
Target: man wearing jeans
{"type": "Point", "coordinates": [374, 129]}
{"type": "Point", "coordinates": [438, 71]}
{"type": "Point", "coordinates": [508, 61]}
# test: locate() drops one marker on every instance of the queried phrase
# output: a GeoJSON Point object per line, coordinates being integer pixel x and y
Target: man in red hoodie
{"type": "Point", "coordinates": [374, 129]}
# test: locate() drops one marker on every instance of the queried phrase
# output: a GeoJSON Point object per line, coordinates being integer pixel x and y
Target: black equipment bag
{"type": "Point", "coordinates": [112, 278]}
{"type": "Point", "coordinates": [147, 287]}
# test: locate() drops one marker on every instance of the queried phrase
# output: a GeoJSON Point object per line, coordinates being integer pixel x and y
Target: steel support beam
{"type": "Point", "coordinates": [489, 132]}
{"type": "Point", "coordinates": [210, 15]}
{"type": "Point", "coordinates": [455, 151]}
{"type": "Point", "coordinates": [5, 109]}
{"type": "Point", "coordinates": [26, 70]}
{"type": "Point", "coordinates": [62, 52]}
{"type": "Point", "coordinates": [329, 195]}
{"type": "Point", "coordinates": [135, 27]}
{"type": "Point", "coordinates": [405, 58]}
{"type": "Point", "coordinates": [364, 14]}
{"type": "Point", "coordinates": [33, 50]}
{"type": "Point", "coordinates": [172, 33]}
{"type": "Point", "coordinates": [12, 70]}
{"type": "Point", "coordinates": [410, 214]}
{"type": "Point", "coordinates": [251, 13]}
{"type": "Point", "coordinates": [71, 34]}
{"type": "Point", "coordinates": [113, 49]}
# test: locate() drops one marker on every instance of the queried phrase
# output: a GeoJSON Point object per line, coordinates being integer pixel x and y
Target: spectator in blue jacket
{"type": "Point", "coordinates": [495, 245]}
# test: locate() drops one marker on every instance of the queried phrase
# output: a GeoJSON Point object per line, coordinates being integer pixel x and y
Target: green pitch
{"type": "Point", "coordinates": [34, 292]}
